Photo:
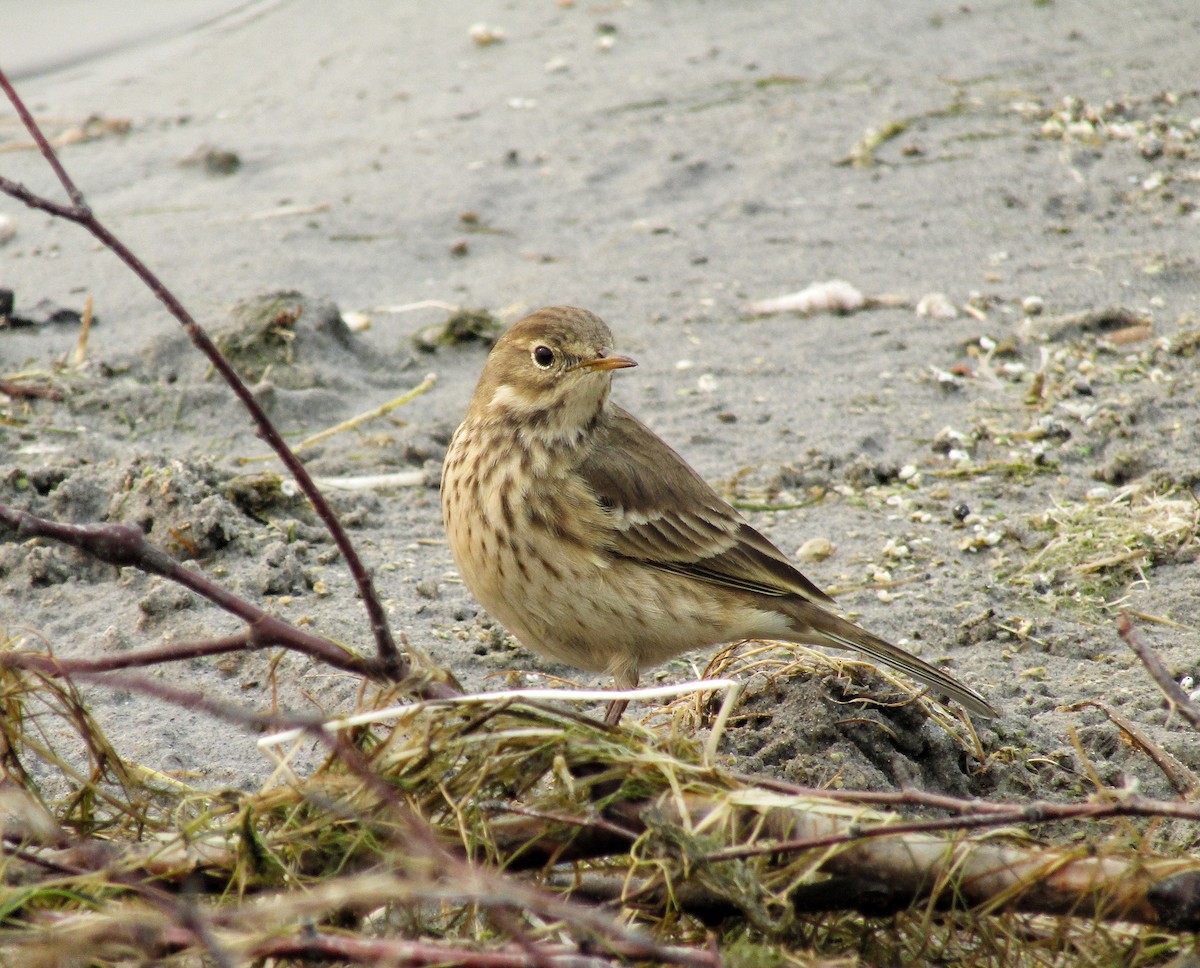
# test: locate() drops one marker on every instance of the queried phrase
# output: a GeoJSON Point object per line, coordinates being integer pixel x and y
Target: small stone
{"type": "Point", "coordinates": [815, 549]}
{"type": "Point", "coordinates": [936, 305]}
{"type": "Point", "coordinates": [484, 35]}
{"type": "Point", "coordinates": [214, 161]}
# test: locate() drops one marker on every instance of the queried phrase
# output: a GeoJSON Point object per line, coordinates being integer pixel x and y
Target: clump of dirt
{"type": "Point", "coordinates": [463, 326]}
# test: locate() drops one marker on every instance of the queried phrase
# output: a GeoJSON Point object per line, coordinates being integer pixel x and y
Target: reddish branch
{"type": "Point", "coordinates": [325, 946]}
{"type": "Point", "coordinates": [123, 545]}
{"type": "Point", "coordinates": [1158, 672]}
{"type": "Point", "coordinates": [893, 864]}
{"type": "Point", "coordinates": [32, 391]}
{"type": "Point", "coordinates": [79, 212]}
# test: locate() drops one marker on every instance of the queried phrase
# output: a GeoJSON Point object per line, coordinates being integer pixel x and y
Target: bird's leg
{"type": "Point", "coordinates": [616, 709]}
{"type": "Point", "coordinates": [624, 670]}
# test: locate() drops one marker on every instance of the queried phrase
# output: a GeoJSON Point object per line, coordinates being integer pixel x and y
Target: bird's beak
{"type": "Point", "coordinates": [605, 363]}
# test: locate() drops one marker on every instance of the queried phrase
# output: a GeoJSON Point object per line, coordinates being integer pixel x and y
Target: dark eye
{"type": "Point", "coordinates": [543, 356]}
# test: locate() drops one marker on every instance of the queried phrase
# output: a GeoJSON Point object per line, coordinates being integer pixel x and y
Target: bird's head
{"type": "Point", "coordinates": [553, 370]}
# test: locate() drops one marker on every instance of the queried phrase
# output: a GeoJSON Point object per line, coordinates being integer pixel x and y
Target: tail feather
{"type": "Point", "coordinates": [815, 626]}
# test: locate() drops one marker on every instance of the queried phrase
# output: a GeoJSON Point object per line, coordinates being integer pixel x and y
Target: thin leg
{"type": "Point", "coordinates": [624, 671]}
{"type": "Point", "coordinates": [615, 709]}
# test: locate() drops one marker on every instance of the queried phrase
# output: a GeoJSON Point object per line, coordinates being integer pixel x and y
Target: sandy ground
{"type": "Point", "coordinates": [661, 164]}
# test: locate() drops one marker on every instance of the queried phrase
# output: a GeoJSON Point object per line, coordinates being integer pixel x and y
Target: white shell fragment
{"type": "Point", "coordinates": [485, 35]}
{"type": "Point", "coordinates": [815, 549]}
{"type": "Point", "coordinates": [374, 482]}
{"type": "Point", "coordinates": [834, 296]}
{"type": "Point", "coordinates": [937, 305]}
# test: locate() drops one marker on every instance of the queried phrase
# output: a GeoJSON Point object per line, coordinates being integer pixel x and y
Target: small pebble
{"type": "Point", "coordinates": [485, 35]}
{"type": "Point", "coordinates": [815, 549]}
{"type": "Point", "coordinates": [936, 305]}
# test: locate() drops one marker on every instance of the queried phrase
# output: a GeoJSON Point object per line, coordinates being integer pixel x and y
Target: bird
{"type": "Point", "coordinates": [594, 543]}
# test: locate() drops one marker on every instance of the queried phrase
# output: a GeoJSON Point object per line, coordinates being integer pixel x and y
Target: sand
{"type": "Point", "coordinates": [662, 164]}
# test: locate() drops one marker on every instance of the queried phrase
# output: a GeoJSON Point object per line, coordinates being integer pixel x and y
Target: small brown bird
{"type": "Point", "coordinates": [594, 543]}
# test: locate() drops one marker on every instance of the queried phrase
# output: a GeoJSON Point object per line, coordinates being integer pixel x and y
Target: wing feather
{"type": "Point", "coordinates": [665, 515]}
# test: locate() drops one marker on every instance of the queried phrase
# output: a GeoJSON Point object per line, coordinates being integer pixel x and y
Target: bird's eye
{"type": "Point", "coordinates": [543, 356]}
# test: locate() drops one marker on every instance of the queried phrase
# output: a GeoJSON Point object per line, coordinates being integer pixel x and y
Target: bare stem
{"type": "Point", "coordinates": [125, 546]}
{"type": "Point", "coordinates": [1158, 672]}
{"type": "Point", "coordinates": [391, 662]}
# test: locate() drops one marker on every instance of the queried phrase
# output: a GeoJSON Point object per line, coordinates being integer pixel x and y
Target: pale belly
{"type": "Point", "coordinates": [588, 609]}
{"type": "Point", "coordinates": [542, 570]}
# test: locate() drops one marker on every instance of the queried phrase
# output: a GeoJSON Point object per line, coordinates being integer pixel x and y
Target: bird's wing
{"type": "Point", "coordinates": [664, 514]}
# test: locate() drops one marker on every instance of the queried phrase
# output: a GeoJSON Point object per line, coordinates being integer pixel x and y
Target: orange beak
{"type": "Point", "coordinates": [605, 363]}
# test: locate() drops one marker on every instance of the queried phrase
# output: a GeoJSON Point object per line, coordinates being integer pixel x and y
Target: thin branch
{"type": "Point", "coordinates": [1158, 672]}
{"type": "Point", "coordinates": [1179, 776]}
{"type": "Point", "coordinates": [326, 946]}
{"type": "Point", "coordinates": [139, 659]}
{"type": "Point", "coordinates": [391, 662]}
{"type": "Point", "coordinates": [79, 206]}
{"type": "Point", "coordinates": [909, 858]}
{"type": "Point", "coordinates": [125, 546]}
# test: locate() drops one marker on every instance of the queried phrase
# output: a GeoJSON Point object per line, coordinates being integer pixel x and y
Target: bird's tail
{"type": "Point", "coordinates": [815, 626]}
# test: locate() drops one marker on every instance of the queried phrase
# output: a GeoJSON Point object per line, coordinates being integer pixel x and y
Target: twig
{"type": "Point", "coordinates": [161, 690]}
{"type": "Point", "coordinates": [422, 387]}
{"type": "Point", "coordinates": [175, 652]}
{"type": "Point", "coordinates": [125, 546]}
{"type": "Point", "coordinates": [325, 946]}
{"type": "Point", "coordinates": [85, 327]}
{"type": "Point", "coordinates": [1105, 320]}
{"type": "Point", "coordinates": [391, 662]}
{"type": "Point", "coordinates": [413, 306]}
{"type": "Point", "coordinates": [906, 856]}
{"type": "Point", "coordinates": [1158, 672]}
{"type": "Point", "coordinates": [1180, 777]}
{"type": "Point", "coordinates": [33, 391]}
{"type": "Point", "coordinates": [374, 482]}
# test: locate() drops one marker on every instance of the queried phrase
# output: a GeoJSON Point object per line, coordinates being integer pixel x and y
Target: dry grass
{"type": "Point", "coordinates": [109, 864]}
{"type": "Point", "coordinates": [1092, 551]}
